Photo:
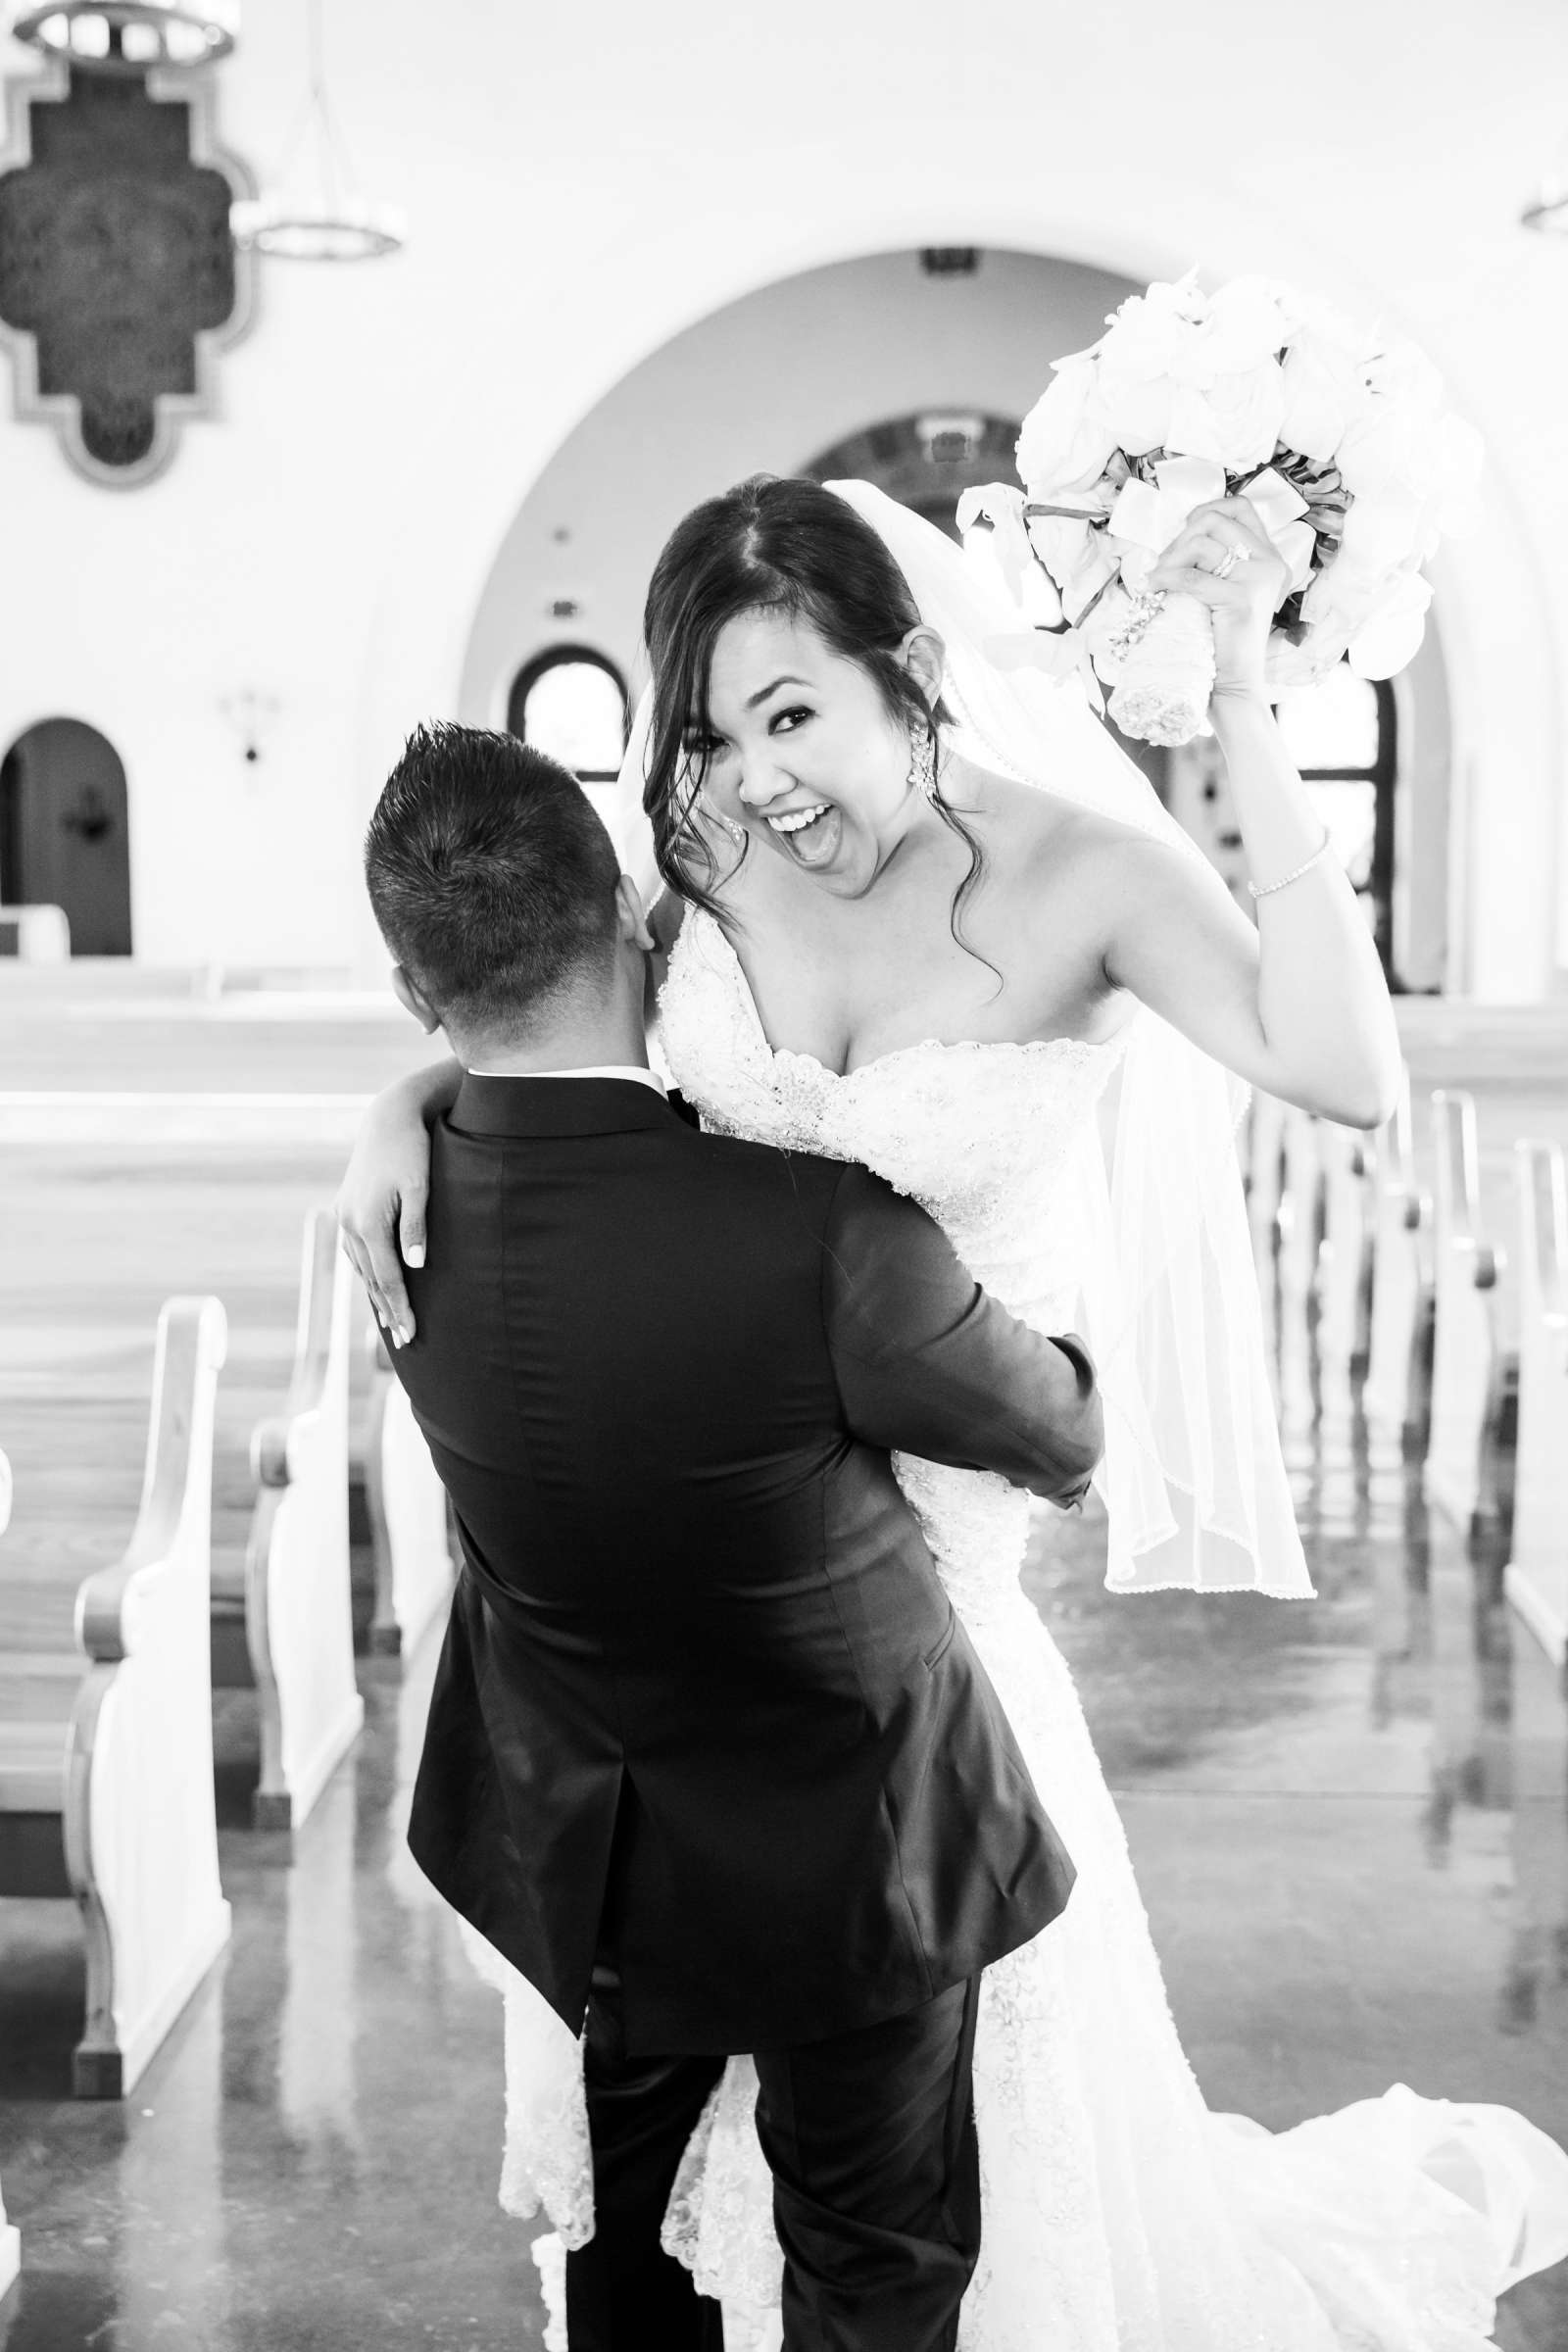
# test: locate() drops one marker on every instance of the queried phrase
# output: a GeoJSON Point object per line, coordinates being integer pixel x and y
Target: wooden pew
{"type": "Point", "coordinates": [10, 2236]}
{"type": "Point", "coordinates": [407, 1507]}
{"type": "Point", "coordinates": [1344, 1258]}
{"type": "Point", "coordinates": [106, 1751]}
{"type": "Point", "coordinates": [10, 2251]}
{"type": "Point", "coordinates": [35, 934]}
{"type": "Point", "coordinates": [1535, 1579]}
{"type": "Point", "coordinates": [1469, 1371]}
{"type": "Point", "coordinates": [1396, 1395]}
{"type": "Point", "coordinates": [281, 1611]}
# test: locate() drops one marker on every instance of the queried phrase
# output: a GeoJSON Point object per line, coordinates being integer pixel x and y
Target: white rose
{"type": "Point", "coordinates": [1323, 390]}
{"type": "Point", "coordinates": [1065, 443]}
{"type": "Point", "coordinates": [1154, 347]}
{"type": "Point", "coordinates": [1398, 371]}
{"type": "Point", "coordinates": [1383, 530]}
{"type": "Point", "coordinates": [1246, 326]}
{"type": "Point", "coordinates": [1390, 634]}
{"type": "Point", "coordinates": [1137, 410]}
{"type": "Point", "coordinates": [1192, 428]}
{"type": "Point", "coordinates": [1247, 408]}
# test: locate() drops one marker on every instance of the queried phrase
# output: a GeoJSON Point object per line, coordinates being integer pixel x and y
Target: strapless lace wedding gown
{"type": "Point", "coordinates": [1120, 2214]}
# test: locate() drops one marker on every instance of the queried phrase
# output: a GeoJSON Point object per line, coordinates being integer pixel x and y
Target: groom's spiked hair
{"type": "Point", "coordinates": [491, 877]}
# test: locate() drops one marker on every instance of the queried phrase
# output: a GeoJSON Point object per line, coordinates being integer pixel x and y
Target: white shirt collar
{"type": "Point", "coordinates": [644, 1077]}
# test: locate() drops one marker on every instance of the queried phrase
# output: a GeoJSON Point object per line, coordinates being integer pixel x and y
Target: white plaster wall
{"type": "Point", "coordinates": [583, 189]}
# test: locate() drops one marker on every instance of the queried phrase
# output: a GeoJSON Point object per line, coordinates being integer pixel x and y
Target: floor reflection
{"type": "Point", "coordinates": [311, 2160]}
{"type": "Point", "coordinates": [1350, 1823]}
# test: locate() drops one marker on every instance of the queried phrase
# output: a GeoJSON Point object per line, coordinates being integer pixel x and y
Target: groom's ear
{"type": "Point", "coordinates": [411, 999]}
{"type": "Point", "coordinates": [925, 658]}
{"type": "Point", "coordinates": [630, 920]}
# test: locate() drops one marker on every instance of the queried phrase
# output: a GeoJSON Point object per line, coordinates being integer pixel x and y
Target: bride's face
{"type": "Point", "coordinates": [803, 752]}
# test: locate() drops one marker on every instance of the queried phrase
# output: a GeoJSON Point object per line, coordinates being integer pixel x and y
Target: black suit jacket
{"type": "Point", "coordinates": [703, 1704]}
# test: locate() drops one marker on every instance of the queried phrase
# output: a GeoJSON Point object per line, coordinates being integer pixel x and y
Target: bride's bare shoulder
{"type": "Point", "coordinates": [1042, 833]}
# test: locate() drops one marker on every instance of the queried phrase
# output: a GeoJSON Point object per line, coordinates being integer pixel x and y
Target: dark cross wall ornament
{"type": "Point", "coordinates": [118, 276]}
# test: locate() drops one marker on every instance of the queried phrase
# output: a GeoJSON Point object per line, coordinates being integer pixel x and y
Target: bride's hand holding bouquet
{"type": "Point", "coordinates": [1337, 439]}
{"type": "Point", "coordinates": [1225, 561]}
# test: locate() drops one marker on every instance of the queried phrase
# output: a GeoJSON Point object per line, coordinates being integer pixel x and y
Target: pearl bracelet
{"type": "Point", "coordinates": [1267, 889]}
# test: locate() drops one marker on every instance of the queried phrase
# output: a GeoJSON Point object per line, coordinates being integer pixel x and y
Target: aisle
{"type": "Point", "coordinates": [1348, 1817]}
{"type": "Point", "coordinates": [1348, 1821]}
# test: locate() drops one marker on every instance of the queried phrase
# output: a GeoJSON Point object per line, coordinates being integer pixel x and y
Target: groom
{"type": "Point", "coordinates": [709, 1758]}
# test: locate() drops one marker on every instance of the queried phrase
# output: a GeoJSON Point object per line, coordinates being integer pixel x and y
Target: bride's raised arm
{"type": "Point", "coordinates": [1300, 1007]}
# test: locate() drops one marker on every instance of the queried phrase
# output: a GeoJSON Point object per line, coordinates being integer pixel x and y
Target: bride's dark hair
{"type": "Point", "coordinates": [773, 544]}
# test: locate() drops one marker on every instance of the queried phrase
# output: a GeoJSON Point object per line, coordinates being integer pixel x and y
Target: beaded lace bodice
{"type": "Point", "coordinates": [984, 1136]}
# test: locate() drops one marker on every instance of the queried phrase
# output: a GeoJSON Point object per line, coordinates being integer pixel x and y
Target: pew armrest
{"type": "Point", "coordinates": [176, 1484]}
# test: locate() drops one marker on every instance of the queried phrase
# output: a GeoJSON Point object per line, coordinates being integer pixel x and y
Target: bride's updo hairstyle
{"type": "Point", "coordinates": [773, 544]}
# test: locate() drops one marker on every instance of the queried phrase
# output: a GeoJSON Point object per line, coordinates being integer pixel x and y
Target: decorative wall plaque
{"type": "Point", "coordinates": [118, 276]}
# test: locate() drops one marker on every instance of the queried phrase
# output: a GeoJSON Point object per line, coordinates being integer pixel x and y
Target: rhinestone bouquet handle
{"type": "Point", "coordinates": [1161, 692]}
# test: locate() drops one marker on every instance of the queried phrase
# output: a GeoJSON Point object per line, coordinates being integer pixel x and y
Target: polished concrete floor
{"type": "Point", "coordinates": [1348, 1818]}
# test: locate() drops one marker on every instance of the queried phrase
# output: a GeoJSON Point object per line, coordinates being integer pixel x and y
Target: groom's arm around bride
{"type": "Point", "coordinates": [710, 1759]}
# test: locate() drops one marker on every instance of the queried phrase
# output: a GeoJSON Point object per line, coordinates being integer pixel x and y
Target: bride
{"type": "Point", "coordinates": [921, 912]}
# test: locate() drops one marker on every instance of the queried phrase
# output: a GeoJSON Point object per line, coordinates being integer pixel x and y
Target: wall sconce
{"type": "Point", "coordinates": [252, 715]}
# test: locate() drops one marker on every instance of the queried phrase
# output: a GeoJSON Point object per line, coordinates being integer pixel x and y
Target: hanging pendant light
{"type": "Point", "coordinates": [317, 215]}
{"type": "Point", "coordinates": [130, 36]}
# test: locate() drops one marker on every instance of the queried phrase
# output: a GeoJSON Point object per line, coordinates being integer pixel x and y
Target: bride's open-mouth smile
{"type": "Point", "coordinates": [809, 834]}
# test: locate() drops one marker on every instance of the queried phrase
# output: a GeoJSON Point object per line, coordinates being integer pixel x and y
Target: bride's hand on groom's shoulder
{"type": "Point", "coordinates": [381, 1210]}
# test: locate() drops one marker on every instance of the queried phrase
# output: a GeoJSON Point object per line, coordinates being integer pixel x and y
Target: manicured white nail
{"type": "Point", "coordinates": [414, 1256]}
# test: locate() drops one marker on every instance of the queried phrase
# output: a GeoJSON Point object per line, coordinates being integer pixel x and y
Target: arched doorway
{"type": "Point", "coordinates": [834, 371]}
{"type": "Point", "coordinates": [65, 837]}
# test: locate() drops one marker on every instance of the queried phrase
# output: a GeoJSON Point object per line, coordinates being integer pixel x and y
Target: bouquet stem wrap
{"type": "Point", "coordinates": [1168, 675]}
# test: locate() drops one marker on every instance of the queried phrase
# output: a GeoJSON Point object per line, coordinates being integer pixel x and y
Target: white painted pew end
{"type": "Point", "coordinates": [1535, 1579]}
{"type": "Point", "coordinates": [107, 1795]}
{"type": "Point", "coordinates": [297, 1607]}
{"type": "Point", "coordinates": [1468, 1371]}
{"type": "Point", "coordinates": [407, 1507]}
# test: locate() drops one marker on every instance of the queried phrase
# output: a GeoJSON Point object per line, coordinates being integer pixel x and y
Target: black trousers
{"type": "Point", "coordinates": [624, 2292]}
{"type": "Point", "coordinates": [876, 2185]}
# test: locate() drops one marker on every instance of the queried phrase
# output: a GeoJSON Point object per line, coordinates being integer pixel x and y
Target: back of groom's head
{"type": "Point", "coordinates": [491, 877]}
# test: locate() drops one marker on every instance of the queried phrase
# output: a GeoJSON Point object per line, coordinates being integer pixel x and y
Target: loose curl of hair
{"type": "Point", "coordinates": [773, 544]}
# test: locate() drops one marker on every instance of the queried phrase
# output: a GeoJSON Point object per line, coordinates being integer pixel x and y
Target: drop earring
{"type": "Point", "coordinates": [923, 763]}
{"type": "Point", "coordinates": [727, 824]}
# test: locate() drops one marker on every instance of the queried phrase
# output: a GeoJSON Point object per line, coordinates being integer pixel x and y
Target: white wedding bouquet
{"type": "Point", "coordinates": [1339, 439]}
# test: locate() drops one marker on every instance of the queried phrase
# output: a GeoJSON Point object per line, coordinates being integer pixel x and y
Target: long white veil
{"type": "Point", "coordinates": [1192, 1478]}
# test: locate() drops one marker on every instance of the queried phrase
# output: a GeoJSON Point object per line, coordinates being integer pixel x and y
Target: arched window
{"type": "Point", "coordinates": [1341, 735]}
{"type": "Point", "coordinates": [571, 704]}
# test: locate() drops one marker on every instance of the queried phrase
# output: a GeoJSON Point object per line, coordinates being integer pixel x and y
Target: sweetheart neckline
{"type": "Point", "coordinates": [878, 1061]}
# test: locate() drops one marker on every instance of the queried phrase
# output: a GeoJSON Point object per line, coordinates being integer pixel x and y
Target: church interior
{"type": "Point", "coordinates": [357, 362]}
